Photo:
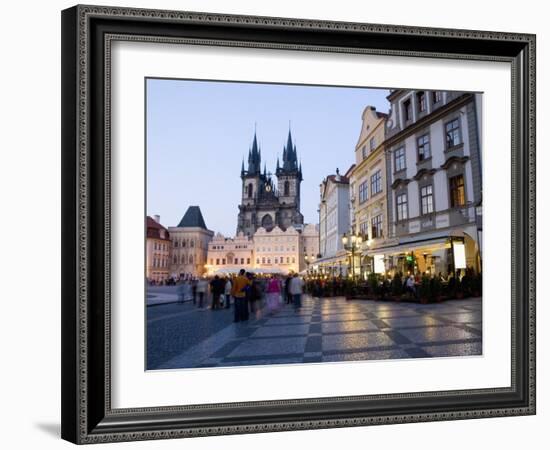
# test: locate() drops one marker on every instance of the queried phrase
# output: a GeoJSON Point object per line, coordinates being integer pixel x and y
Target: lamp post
{"type": "Point", "coordinates": [307, 264]}
{"type": "Point", "coordinates": [351, 243]}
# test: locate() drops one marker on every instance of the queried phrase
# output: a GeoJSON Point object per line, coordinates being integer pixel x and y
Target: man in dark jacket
{"type": "Point", "coordinates": [217, 286]}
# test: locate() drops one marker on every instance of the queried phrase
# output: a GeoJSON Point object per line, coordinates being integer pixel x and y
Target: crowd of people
{"type": "Point", "coordinates": [247, 292]}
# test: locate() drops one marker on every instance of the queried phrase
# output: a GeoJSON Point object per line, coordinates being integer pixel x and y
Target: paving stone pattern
{"type": "Point", "coordinates": [323, 330]}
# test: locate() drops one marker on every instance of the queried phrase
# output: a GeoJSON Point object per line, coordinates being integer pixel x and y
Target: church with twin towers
{"type": "Point", "coordinates": [266, 202]}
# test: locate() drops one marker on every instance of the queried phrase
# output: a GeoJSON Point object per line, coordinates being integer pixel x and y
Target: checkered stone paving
{"type": "Point", "coordinates": [323, 330]}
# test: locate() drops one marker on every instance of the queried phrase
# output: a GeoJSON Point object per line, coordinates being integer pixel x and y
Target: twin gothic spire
{"type": "Point", "coordinates": [290, 159]}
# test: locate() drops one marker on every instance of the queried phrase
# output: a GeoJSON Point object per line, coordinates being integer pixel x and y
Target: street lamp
{"type": "Point", "coordinates": [307, 264]}
{"type": "Point", "coordinates": [352, 243]}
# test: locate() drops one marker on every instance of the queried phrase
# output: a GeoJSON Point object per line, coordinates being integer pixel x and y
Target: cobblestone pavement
{"type": "Point", "coordinates": [324, 330]}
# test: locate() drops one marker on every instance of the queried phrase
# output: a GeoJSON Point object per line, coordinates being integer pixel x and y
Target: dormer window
{"type": "Point", "coordinates": [407, 110]}
{"type": "Point", "coordinates": [421, 99]}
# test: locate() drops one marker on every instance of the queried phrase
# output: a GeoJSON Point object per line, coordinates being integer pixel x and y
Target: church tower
{"type": "Point", "coordinates": [265, 203]}
{"type": "Point", "coordinates": [289, 177]}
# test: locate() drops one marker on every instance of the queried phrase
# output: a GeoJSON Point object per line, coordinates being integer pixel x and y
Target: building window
{"type": "Point", "coordinates": [217, 261]}
{"type": "Point", "coordinates": [452, 133]}
{"type": "Point", "coordinates": [249, 190]}
{"type": "Point", "coordinates": [248, 261]}
{"type": "Point", "coordinates": [293, 260]}
{"type": "Point", "coordinates": [372, 143]}
{"type": "Point", "coordinates": [288, 260]}
{"type": "Point", "coordinates": [423, 145]}
{"type": "Point", "coordinates": [363, 192]}
{"type": "Point", "coordinates": [401, 201]}
{"type": "Point", "coordinates": [257, 260]}
{"type": "Point", "coordinates": [407, 110]}
{"type": "Point", "coordinates": [376, 223]}
{"type": "Point", "coordinates": [364, 228]}
{"type": "Point", "coordinates": [263, 260]}
{"type": "Point", "coordinates": [436, 96]}
{"type": "Point", "coordinates": [276, 260]}
{"type": "Point", "coordinates": [364, 151]}
{"type": "Point", "coordinates": [399, 156]}
{"type": "Point", "coordinates": [223, 261]}
{"type": "Point", "coordinates": [426, 199]}
{"type": "Point", "coordinates": [376, 183]}
{"type": "Point", "coordinates": [456, 186]}
{"type": "Point", "coordinates": [421, 99]}
{"type": "Point", "coordinates": [287, 188]}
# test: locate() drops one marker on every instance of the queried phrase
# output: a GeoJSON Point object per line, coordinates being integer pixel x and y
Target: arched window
{"type": "Point", "coordinates": [190, 259]}
{"type": "Point", "coordinates": [249, 190]}
{"type": "Point", "coordinates": [183, 259]}
{"type": "Point", "coordinates": [287, 188]}
{"type": "Point", "coordinates": [192, 243]}
{"type": "Point", "coordinates": [267, 222]}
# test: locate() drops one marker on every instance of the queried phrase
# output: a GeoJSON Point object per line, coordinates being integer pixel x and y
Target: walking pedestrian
{"type": "Point", "coordinates": [273, 294]}
{"type": "Point", "coordinates": [288, 296]}
{"type": "Point", "coordinates": [227, 293]}
{"type": "Point", "coordinates": [202, 286]}
{"type": "Point", "coordinates": [217, 287]}
{"type": "Point", "coordinates": [296, 289]}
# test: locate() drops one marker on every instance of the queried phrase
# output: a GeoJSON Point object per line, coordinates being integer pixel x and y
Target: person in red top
{"type": "Point", "coordinates": [273, 292]}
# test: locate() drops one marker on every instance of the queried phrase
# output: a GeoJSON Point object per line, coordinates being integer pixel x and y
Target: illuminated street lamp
{"type": "Point", "coordinates": [351, 243]}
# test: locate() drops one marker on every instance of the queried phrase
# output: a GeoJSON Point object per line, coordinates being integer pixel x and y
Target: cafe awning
{"type": "Point", "coordinates": [429, 242]}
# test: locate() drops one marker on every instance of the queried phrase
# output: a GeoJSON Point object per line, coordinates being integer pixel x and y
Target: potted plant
{"type": "Point", "coordinates": [424, 289]}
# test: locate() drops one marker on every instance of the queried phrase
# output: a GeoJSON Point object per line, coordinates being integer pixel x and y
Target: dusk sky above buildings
{"type": "Point", "coordinates": [198, 133]}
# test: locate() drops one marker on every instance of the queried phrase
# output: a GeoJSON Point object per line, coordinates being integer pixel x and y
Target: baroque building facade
{"type": "Point", "coordinates": [433, 167]}
{"type": "Point", "coordinates": [265, 202]}
{"type": "Point", "coordinates": [368, 201]}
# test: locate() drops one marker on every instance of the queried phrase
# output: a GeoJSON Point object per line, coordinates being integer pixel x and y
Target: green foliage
{"type": "Point", "coordinates": [436, 289]}
{"type": "Point", "coordinates": [397, 285]}
{"type": "Point", "coordinates": [374, 283]}
{"type": "Point", "coordinates": [425, 288]}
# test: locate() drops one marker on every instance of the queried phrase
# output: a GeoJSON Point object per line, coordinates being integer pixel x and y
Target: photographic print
{"type": "Point", "coordinates": [298, 224]}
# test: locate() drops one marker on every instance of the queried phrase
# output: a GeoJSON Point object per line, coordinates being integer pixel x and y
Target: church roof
{"type": "Point", "coordinates": [192, 218]}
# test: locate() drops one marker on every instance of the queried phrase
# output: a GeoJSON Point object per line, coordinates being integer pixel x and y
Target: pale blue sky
{"type": "Point", "coordinates": [199, 131]}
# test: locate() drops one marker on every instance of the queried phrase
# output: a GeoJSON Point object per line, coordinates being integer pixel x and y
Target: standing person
{"type": "Point", "coordinates": [202, 286]}
{"type": "Point", "coordinates": [273, 294]}
{"type": "Point", "coordinates": [296, 289]}
{"type": "Point", "coordinates": [194, 290]}
{"type": "Point", "coordinates": [411, 286]}
{"type": "Point", "coordinates": [217, 286]}
{"type": "Point", "coordinates": [227, 293]}
{"type": "Point", "coordinates": [288, 297]}
{"type": "Point", "coordinates": [238, 292]}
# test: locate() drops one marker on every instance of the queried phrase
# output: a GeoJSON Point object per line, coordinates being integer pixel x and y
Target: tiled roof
{"type": "Point", "coordinates": [192, 219]}
{"type": "Point", "coordinates": [154, 230]}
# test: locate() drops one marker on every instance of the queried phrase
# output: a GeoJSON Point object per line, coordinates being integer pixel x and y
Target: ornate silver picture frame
{"type": "Point", "coordinates": [88, 33]}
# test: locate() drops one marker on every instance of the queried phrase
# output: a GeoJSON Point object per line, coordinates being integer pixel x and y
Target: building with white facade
{"type": "Point", "coordinates": [230, 254]}
{"type": "Point", "coordinates": [368, 200]}
{"type": "Point", "coordinates": [275, 251]}
{"type": "Point", "coordinates": [334, 221]}
{"type": "Point", "coordinates": [433, 164]}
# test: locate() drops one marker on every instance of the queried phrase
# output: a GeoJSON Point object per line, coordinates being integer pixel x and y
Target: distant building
{"type": "Point", "coordinates": [230, 253]}
{"type": "Point", "coordinates": [334, 221]}
{"type": "Point", "coordinates": [277, 249]}
{"type": "Point", "coordinates": [157, 251]}
{"type": "Point", "coordinates": [265, 203]}
{"type": "Point", "coordinates": [433, 161]}
{"type": "Point", "coordinates": [274, 251]}
{"type": "Point", "coordinates": [190, 244]}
